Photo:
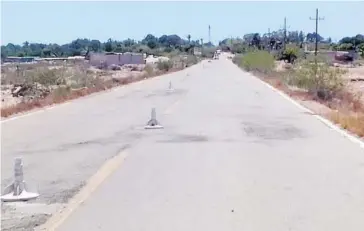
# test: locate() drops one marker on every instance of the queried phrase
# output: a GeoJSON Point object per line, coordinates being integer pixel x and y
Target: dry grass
{"type": "Point", "coordinates": [352, 122]}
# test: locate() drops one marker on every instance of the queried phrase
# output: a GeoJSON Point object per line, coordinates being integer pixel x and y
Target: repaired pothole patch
{"type": "Point", "coordinates": [185, 139]}
{"type": "Point", "coordinates": [166, 93]}
{"type": "Point", "coordinates": [273, 131]}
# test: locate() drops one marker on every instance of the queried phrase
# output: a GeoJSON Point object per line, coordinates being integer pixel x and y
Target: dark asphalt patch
{"type": "Point", "coordinates": [166, 93]}
{"type": "Point", "coordinates": [273, 131]}
{"type": "Point", "coordinates": [185, 139]}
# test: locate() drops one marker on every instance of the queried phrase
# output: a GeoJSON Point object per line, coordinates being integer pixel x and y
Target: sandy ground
{"type": "Point", "coordinates": [356, 86]}
{"type": "Point", "coordinates": [7, 99]}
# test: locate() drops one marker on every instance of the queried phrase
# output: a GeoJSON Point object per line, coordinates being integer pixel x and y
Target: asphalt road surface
{"type": "Point", "coordinates": [233, 156]}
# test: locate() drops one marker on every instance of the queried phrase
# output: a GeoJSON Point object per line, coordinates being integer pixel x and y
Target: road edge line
{"type": "Point", "coordinates": [106, 170]}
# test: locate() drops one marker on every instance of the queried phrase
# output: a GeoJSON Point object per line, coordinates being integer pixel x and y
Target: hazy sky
{"type": "Point", "coordinates": [62, 22]}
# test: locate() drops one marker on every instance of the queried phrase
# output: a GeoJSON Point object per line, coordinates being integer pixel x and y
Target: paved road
{"type": "Point", "coordinates": [233, 155]}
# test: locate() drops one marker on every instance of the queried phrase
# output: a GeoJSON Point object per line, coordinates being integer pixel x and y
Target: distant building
{"type": "Point", "coordinates": [52, 59]}
{"type": "Point", "coordinates": [197, 51]}
{"type": "Point", "coordinates": [12, 59]}
{"type": "Point", "coordinates": [153, 60]}
{"type": "Point", "coordinates": [120, 59]}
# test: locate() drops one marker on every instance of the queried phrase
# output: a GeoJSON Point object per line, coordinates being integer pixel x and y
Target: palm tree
{"type": "Point", "coordinates": [189, 38]}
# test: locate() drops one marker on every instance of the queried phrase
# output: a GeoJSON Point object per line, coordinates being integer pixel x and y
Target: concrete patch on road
{"type": "Point", "coordinates": [273, 131]}
{"type": "Point", "coordinates": [183, 138]}
{"type": "Point", "coordinates": [163, 93]}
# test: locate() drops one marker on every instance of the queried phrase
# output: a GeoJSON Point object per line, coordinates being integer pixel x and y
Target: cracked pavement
{"type": "Point", "coordinates": [233, 155]}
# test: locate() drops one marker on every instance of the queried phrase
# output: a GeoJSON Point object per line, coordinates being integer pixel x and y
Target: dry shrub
{"type": "Point", "coordinates": [149, 70]}
{"type": "Point", "coordinates": [349, 101]}
{"type": "Point", "coordinates": [11, 76]}
{"type": "Point", "coordinates": [191, 60]}
{"type": "Point", "coordinates": [22, 107]}
{"type": "Point", "coordinates": [47, 77]}
{"type": "Point", "coordinates": [164, 65]}
{"type": "Point", "coordinates": [353, 122]}
{"type": "Point", "coordinates": [61, 94]}
{"type": "Point", "coordinates": [318, 78]}
{"type": "Point", "coordinates": [79, 76]}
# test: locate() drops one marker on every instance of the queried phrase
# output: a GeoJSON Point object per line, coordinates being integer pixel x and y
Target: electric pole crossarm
{"type": "Point", "coordinates": [317, 19]}
{"type": "Point", "coordinates": [285, 33]}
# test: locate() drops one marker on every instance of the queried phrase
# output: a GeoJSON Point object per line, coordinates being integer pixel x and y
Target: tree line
{"type": "Point", "coordinates": [150, 45]}
{"type": "Point", "coordinates": [275, 40]}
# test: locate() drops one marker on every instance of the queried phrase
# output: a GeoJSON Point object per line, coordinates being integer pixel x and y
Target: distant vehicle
{"type": "Point", "coordinates": [216, 54]}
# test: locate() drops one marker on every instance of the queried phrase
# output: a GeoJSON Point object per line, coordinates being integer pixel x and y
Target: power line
{"type": "Point", "coordinates": [317, 19]}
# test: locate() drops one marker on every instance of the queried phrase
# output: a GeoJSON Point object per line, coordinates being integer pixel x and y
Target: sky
{"type": "Point", "coordinates": [63, 21]}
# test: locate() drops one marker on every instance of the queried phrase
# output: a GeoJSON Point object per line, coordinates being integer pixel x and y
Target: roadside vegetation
{"type": "Point", "coordinates": [307, 77]}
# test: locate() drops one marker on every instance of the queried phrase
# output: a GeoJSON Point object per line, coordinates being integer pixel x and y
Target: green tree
{"type": "Point", "coordinates": [361, 49]}
{"type": "Point", "coordinates": [95, 45]}
{"type": "Point", "coordinates": [108, 46]}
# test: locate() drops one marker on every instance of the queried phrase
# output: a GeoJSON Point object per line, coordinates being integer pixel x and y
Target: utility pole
{"type": "Point", "coordinates": [285, 33]}
{"type": "Point", "coordinates": [269, 38]}
{"type": "Point", "coordinates": [316, 36]}
{"type": "Point", "coordinates": [209, 34]}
